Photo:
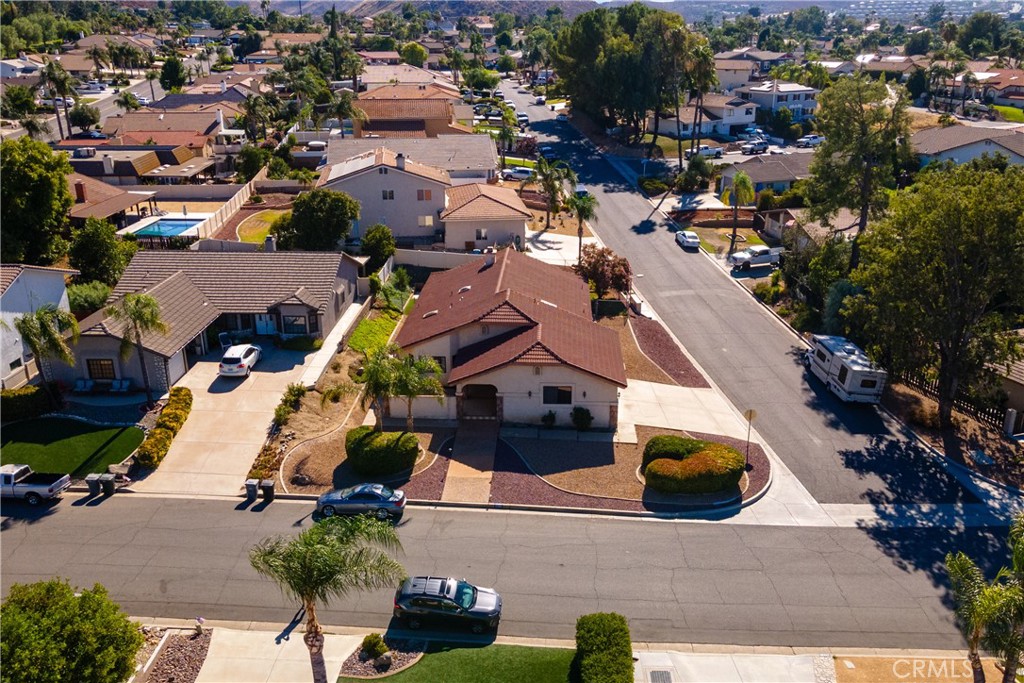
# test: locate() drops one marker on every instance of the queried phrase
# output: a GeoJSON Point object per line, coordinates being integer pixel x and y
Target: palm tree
{"type": "Point", "coordinates": [329, 560]}
{"type": "Point", "coordinates": [127, 101]}
{"type": "Point", "coordinates": [46, 332]}
{"type": "Point", "coordinates": [417, 376]}
{"type": "Point", "coordinates": [741, 192]}
{"type": "Point", "coordinates": [968, 80]}
{"type": "Point", "coordinates": [379, 381]}
{"type": "Point", "coordinates": [99, 58]}
{"type": "Point", "coordinates": [152, 76]}
{"type": "Point", "coordinates": [584, 206]}
{"type": "Point", "coordinates": [506, 138]}
{"type": "Point", "coordinates": [255, 109]}
{"type": "Point", "coordinates": [704, 78]}
{"type": "Point", "coordinates": [552, 177]}
{"type": "Point", "coordinates": [57, 81]}
{"type": "Point", "coordinates": [344, 108]}
{"type": "Point", "coordinates": [968, 585]}
{"type": "Point", "coordinates": [35, 127]}
{"type": "Point", "coordinates": [140, 314]}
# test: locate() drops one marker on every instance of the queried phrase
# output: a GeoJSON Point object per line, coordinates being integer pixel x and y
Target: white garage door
{"type": "Point", "coordinates": [176, 367]}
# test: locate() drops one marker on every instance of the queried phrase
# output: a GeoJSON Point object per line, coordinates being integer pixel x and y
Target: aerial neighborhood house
{"type": "Point", "coordinates": [734, 73]}
{"type": "Point", "coordinates": [415, 118]}
{"type": "Point", "coordinates": [478, 216]}
{"type": "Point", "coordinates": [837, 68]}
{"type": "Point", "coordinates": [763, 60]}
{"type": "Point", "coordinates": [204, 293]}
{"type": "Point", "coordinates": [130, 165]}
{"type": "Point", "coordinates": [1012, 382]}
{"type": "Point", "coordinates": [24, 290]}
{"type": "Point", "coordinates": [964, 143]}
{"type": "Point", "coordinates": [380, 57]}
{"type": "Point", "coordinates": [771, 96]}
{"type": "Point", "coordinates": [1006, 88]}
{"type": "Point", "coordinates": [779, 222]}
{"type": "Point", "coordinates": [96, 199]}
{"type": "Point", "coordinates": [466, 158]}
{"type": "Point", "coordinates": [723, 115]}
{"type": "Point", "coordinates": [515, 339]}
{"type": "Point", "coordinates": [777, 173]}
{"type": "Point", "coordinates": [376, 75]}
{"type": "Point", "coordinates": [894, 67]}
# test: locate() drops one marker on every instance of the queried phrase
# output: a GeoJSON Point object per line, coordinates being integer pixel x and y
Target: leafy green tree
{"type": "Point", "coordinates": [320, 220]}
{"type": "Point", "coordinates": [250, 160]}
{"type": "Point", "coordinates": [17, 102]}
{"type": "Point", "coordinates": [140, 315]}
{"type": "Point", "coordinates": [604, 270]}
{"type": "Point", "coordinates": [941, 278]}
{"type": "Point", "coordinates": [329, 560]}
{"type": "Point", "coordinates": [919, 43]}
{"type": "Point", "coordinates": [34, 202]}
{"type": "Point", "coordinates": [417, 376]}
{"type": "Point", "coordinates": [741, 191]}
{"type": "Point", "coordinates": [98, 253]}
{"type": "Point", "coordinates": [414, 54]}
{"type": "Point", "coordinates": [83, 116]}
{"type": "Point", "coordinates": [173, 74]}
{"type": "Point", "coordinates": [481, 79]}
{"type": "Point", "coordinates": [47, 331]}
{"type": "Point", "coordinates": [866, 129]}
{"type": "Point", "coordinates": [51, 632]}
{"type": "Point", "coordinates": [87, 297]}
{"type": "Point", "coordinates": [379, 245]}
{"type": "Point", "coordinates": [506, 64]}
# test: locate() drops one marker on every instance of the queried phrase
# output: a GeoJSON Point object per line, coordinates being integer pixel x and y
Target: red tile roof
{"type": "Point", "coordinates": [475, 201]}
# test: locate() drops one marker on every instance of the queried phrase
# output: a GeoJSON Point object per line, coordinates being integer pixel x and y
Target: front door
{"type": "Point", "coordinates": [266, 323]}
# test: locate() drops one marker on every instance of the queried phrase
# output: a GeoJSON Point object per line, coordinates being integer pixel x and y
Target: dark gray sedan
{"type": "Point", "coordinates": [375, 499]}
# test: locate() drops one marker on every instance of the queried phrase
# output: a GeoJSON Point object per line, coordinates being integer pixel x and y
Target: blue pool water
{"type": "Point", "coordinates": [168, 227]}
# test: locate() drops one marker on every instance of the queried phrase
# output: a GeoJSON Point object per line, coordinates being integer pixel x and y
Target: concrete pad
{"type": "Point", "coordinates": [792, 669]}
{"type": "Point", "coordinates": [706, 668]}
{"type": "Point", "coordinates": [258, 657]}
{"type": "Point", "coordinates": [466, 489]}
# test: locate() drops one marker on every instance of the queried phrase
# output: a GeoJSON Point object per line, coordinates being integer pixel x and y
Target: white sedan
{"type": "Point", "coordinates": [516, 173]}
{"type": "Point", "coordinates": [688, 239]}
{"type": "Point", "coordinates": [239, 360]}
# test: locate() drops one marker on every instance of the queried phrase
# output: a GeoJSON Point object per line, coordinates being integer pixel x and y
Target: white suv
{"type": "Point", "coordinates": [238, 360]}
{"type": "Point", "coordinates": [810, 141]}
{"type": "Point", "coordinates": [516, 173]}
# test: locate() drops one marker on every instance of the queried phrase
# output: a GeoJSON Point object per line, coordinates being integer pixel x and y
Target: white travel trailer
{"type": "Point", "coordinates": [847, 371]}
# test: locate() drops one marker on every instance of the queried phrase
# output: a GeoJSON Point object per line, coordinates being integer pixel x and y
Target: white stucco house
{"type": "Point", "coordinates": [961, 144]}
{"type": "Point", "coordinates": [771, 96]}
{"type": "Point", "coordinates": [477, 216]}
{"type": "Point", "coordinates": [25, 289]}
{"type": "Point", "coordinates": [515, 339]}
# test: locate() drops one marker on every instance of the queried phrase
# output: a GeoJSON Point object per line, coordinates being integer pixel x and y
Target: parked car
{"type": "Point", "coordinates": [239, 360]}
{"type": "Point", "coordinates": [705, 151]}
{"type": "Point", "coordinates": [516, 173]}
{"type": "Point", "coordinates": [423, 599]}
{"type": "Point", "coordinates": [522, 118]}
{"type": "Point", "coordinates": [754, 147]}
{"type": "Point", "coordinates": [143, 100]}
{"type": "Point", "coordinates": [19, 481]}
{"type": "Point", "coordinates": [561, 117]}
{"type": "Point", "coordinates": [756, 255]}
{"type": "Point", "coordinates": [688, 239]}
{"type": "Point", "coordinates": [581, 190]}
{"type": "Point", "coordinates": [810, 141]}
{"type": "Point", "coordinates": [372, 499]}
{"type": "Point", "coordinates": [57, 102]}
{"type": "Point", "coordinates": [90, 135]}
{"type": "Point", "coordinates": [751, 133]}
{"type": "Point", "coordinates": [540, 100]}
{"type": "Point", "coordinates": [547, 152]}
{"type": "Point", "coordinates": [498, 95]}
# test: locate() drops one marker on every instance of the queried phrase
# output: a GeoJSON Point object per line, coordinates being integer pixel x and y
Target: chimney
{"type": "Point", "coordinates": [79, 191]}
{"type": "Point", "coordinates": [400, 161]}
{"type": "Point", "coordinates": [220, 118]}
{"type": "Point", "coordinates": [108, 164]}
{"type": "Point", "coordinates": [223, 86]}
{"type": "Point", "coordinates": [269, 244]}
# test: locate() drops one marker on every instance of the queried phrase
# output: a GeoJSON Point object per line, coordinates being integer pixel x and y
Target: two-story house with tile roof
{"type": "Point", "coordinates": [771, 96]}
{"type": "Point", "coordinates": [24, 290]}
{"type": "Point", "coordinates": [410, 118]}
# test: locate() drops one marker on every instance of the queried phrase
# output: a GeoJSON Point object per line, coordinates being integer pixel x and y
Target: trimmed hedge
{"type": "Point", "coordinates": [172, 419]}
{"type": "Point", "coordinates": [152, 451]}
{"type": "Point", "coordinates": [180, 397]}
{"type": "Point", "coordinates": [604, 651]}
{"type": "Point", "coordinates": [716, 467]}
{"type": "Point", "coordinates": [669, 446]}
{"type": "Point", "coordinates": [24, 403]}
{"type": "Point", "coordinates": [376, 453]}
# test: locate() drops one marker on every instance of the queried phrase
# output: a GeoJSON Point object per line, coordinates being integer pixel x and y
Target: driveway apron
{"type": "Point", "coordinates": [472, 463]}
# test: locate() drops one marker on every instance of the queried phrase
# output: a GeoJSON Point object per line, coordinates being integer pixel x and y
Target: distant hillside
{"type": "Point", "coordinates": [449, 9]}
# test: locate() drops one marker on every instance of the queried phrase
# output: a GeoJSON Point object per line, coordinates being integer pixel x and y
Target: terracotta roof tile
{"type": "Point", "coordinates": [382, 156]}
{"type": "Point", "coordinates": [405, 110]}
{"type": "Point", "coordinates": [475, 201]}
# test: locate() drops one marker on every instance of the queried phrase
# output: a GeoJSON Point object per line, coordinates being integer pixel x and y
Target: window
{"type": "Point", "coordinates": [425, 221]}
{"type": "Point", "coordinates": [868, 383]}
{"type": "Point", "coordinates": [245, 321]}
{"type": "Point", "coordinates": [100, 368]}
{"type": "Point", "coordinates": [481, 233]}
{"type": "Point", "coordinates": [844, 372]}
{"type": "Point", "coordinates": [293, 324]}
{"type": "Point", "coordinates": [387, 195]}
{"type": "Point", "coordinates": [15, 364]}
{"type": "Point", "coordinates": [561, 396]}
{"type": "Point", "coordinates": [314, 324]}
{"type": "Point", "coordinates": [442, 362]}
{"type": "Point", "coordinates": [821, 356]}
{"type": "Point", "coordinates": [423, 195]}
{"type": "Point", "coordinates": [382, 171]}
{"type": "Point", "coordinates": [783, 98]}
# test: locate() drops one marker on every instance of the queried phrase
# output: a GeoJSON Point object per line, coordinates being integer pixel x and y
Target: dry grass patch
{"type": "Point", "coordinates": [562, 223]}
{"type": "Point", "coordinates": [638, 366]}
{"type": "Point", "coordinates": [922, 120]}
{"type": "Point", "coordinates": [876, 669]}
{"type": "Point", "coordinates": [255, 228]}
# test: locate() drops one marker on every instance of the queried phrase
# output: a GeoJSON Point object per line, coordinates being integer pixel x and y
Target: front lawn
{"type": "Point", "coordinates": [374, 331]}
{"type": "Point", "coordinates": [63, 446]}
{"type": "Point", "coordinates": [1010, 113]}
{"type": "Point", "coordinates": [255, 228]}
{"type": "Point", "coordinates": [489, 664]}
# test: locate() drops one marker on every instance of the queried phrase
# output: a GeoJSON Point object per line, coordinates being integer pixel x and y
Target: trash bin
{"type": "Point", "coordinates": [267, 486]}
{"type": "Point", "coordinates": [107, 482]}
{"type": "Point", "coordinates": [93, 482]}
{"type": "Point", "coordinates": [251, 489]}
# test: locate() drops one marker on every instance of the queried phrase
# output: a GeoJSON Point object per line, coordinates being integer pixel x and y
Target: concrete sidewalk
{"type": "Point", "coordinates": [676, 667]}
{"type": "Point", "coordinates": [265, 657]}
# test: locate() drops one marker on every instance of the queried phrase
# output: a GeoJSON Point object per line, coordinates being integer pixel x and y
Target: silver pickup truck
{"type": "Point", "coordinates": [19, 481]}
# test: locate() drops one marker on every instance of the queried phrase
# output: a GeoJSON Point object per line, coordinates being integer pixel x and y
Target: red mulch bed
{"type": "Point", "coordinates": [270, 201]}
{"type": "Point", "coordinates": [429, 484]}
{"type": "Point", "coordinates": [659, 346]}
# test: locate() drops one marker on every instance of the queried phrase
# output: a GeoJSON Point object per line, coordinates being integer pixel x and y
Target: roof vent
{"type": "Point", "coordinates": [465, 288]}
{"type": "Point", "coordinates": [430, 314]}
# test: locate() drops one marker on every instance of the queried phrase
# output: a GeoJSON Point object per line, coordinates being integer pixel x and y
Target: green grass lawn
{"type": "Point", "coordinates": [374, 331]}
{"type": "Point", "coordinates": [669, 146]}
{"type": "Point", "coordinates": [67, 446]}
{"type": "Point", "coordinates": [1010, 113]}
{"type": "Point", "coordinates": [519, 161]}
{"type": "Point", "coordinates": [255, 228]}
{"type": "Point", "coordinates": [490, 664]}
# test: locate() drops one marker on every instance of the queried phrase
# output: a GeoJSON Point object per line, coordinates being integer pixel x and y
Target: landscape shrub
{"type": "Point", "coordinates": [375, 453]}
{"type": "Point", "coordinates": [581, 418]}
{"type": "Point", "coordinates": [180, 397]}
{"type": "Point", "coordinates": [24, 403]}
{"type": "Point", "coordinates": [267, 463]}
{"type": "Point", "coordinates": [669, 446]}
{"type": "Point", "coordinates": [282, 413]}
{"type": "Point", "coordinates": [768, 293]}
{"type": "Point", "coordinates": [293, 394]}
{"type": "Point", "coordinates": [548, 419]}
{"type": "Point", "coordinates": [653, 186]}
{"type": "Point", "coordinates": [604, 651]}
{"type": "Point", "coordinates": [374, 645]}
{"type": "Point", "coordinates": [716, 467]}
{"type": "Point", "coordinates": [766, 199]}
{"type": "Point", "coordinates": [303, 343]}
{"type": "Point", "coordinates": [806, 318]}
{"type": "Point", "coordinates": [87, 297]}
{"type": "Point", "coordinates": [374, 331]}
{"type": "Point", "coordinates": [172, 419]}
{"type": "Point", "coordinates": [152, 451]}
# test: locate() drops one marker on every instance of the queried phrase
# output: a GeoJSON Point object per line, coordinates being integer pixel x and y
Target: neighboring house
{"type": "Point", "coordinates": [95, 199]}
{"type": "Point", "coordinates": [77, 64]}
{"type": "Point", "coordinates": [103, 39]}
{"type": "Point", "coordinates": [421, 91]}
{"type": "Point", "coordinates": [202, 293]}
{"type": "Point", "coordinates": [777, 173]}
{"type": "Point", "coordinates": [478, 216]}
{"type": "Point", "coordinates": [764, 60]}
{"type": "Point", "coordinates": [376, 75]}
{"type": "Point", "coordinates": [771, 96]}
{"type": "Point", "coordinates": [201, 131]}
{"type": "Point", "coordinates": [404, 195]}
{"type": "Point", "coordinates": [466, 158]}
{"type": "Point", "coordinates": [19, 66]}
{"type": "Point", "coordinates": [129, 166]}
{"type": "Point", "coordinates": [734, 73]}
{"type": "Point", "coordinates": [415, 118]}
{"type": "Point", "coordinates": [380, 57]}
{"type": "Point", "coordinates": [515, 339]}
{"type": "Point", "coordinates": [24, 289]}
{"type": "Point", "coordinates": [837, 68]}
{"type": "Point", "coordinates": [723, 115]}
{"type": "Point", "coordinates": [965, 143]}
{"type": "Point", "coordinates": [1012, 382]}
{"type": "Point", "coordinates": [895, 67]}
{"type": "Point", "coordinates": [1005, 89]}
{"type": "Point", "coordinates": [781, 221]}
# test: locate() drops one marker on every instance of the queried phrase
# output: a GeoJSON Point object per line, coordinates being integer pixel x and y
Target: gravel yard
{"type": "Point", "coordinates": [404, 653]}
{"type": "Point", "coordinates": [638, 366]}
{"type": "Point", "coordinates": [656, 342]}
{"type": "Point", "coordinates": [180, 659]}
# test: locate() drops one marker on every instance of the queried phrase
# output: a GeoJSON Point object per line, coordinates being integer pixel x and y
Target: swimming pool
{"type": "Point", "coordinates": [168, 227]}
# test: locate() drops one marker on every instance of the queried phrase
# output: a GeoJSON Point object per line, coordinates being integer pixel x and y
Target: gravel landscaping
{"type": "Point", "coordinates": [656, 342]}
{"type": "Point", "coordinates": [638, 366]}
{"type": "Point", "coordinates": [180, 659]}
{"type": "Point", "coordinates": [404, 653]}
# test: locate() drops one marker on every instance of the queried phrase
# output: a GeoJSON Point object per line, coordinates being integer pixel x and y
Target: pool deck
{"type": "Point", "coordinates": [193, 231]}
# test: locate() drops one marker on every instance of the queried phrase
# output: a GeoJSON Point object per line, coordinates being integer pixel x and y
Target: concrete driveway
{"type": "Point", "coordinates": [227, 426]}
{"type": "Point", "coordinates": [673, 407]}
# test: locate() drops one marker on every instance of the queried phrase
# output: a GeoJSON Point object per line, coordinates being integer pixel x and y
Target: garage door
{"type": "Point", "coordinates": [176, 367]}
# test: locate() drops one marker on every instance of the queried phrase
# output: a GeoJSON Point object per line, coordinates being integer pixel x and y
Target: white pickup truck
{"type": "Point", "coordinates": [19, 481]}
{"type": "Point", "coordinates": [705, 151]}
{"type": "Point", "coordinates": [756, 255]}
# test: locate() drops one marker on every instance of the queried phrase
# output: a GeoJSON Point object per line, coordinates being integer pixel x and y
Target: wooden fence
{"type": "Point", "coordinates": [988, 414]}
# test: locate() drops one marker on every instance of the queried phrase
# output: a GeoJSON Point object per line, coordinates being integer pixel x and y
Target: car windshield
{"type": "Point", "coordinates": [465, 594]}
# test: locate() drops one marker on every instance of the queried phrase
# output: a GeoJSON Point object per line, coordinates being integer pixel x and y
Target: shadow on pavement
{"type": "Point", "coordinates": [19, 512]}
{"type": "Point", "coordinates": [441, 636]}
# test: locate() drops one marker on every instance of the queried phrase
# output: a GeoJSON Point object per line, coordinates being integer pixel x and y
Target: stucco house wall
{"type": "Point", "coordinates": [108, 348]}
{"type": "Point", "coordinates": [31, 290]}
{"type": "Point", "coordinates": [405, 213]}
{"type": "Point", "coordinates": [463, 234]}
{"type": "Point", "coordinates": [971, 151]}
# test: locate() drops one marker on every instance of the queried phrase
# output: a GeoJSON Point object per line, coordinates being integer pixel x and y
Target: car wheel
{"type": "Point", "coordinates": [33, 499]}
{"type": "Point", "coordinates": [745, 267]}
{"type": "Point", "coordinates": [382, 513]}
{"type": "Point", "coordinates": [248, 371]}
{"type": "Point", "coordinates": [413, 623]}
{"type": "Point", "coordinates": [718, 156]}
{"type": "Point", "coordinates": [327, 511]}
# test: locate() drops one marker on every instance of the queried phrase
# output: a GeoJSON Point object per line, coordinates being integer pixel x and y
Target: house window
{"type": "Point", "coordinates": [423, 195]}
{"type": "Point", "coordinates": [314, 324]}
{"type": "Point", "coordinates": [293, 324]}
{"type": "Point", "coordinates": [100, 368]}
{"type": "Point", "coordinates": [387, 195]}
{"type": "Point", "coordinates": [561, 396]}
{"type": "Point", "coordinates": [15, 364]}
{"type": "Point", "coordinates": [425, 221]}
{"type": "Point", "coordinates": [382, 171]}
{"type": "Point", "coordinates": [843, 372]}
{"type": "Point", "coordinates": [245, 321]}
{"type": "Point", "coordinates": [783, 98]}
{"type": "Point", "coordinates": [442, 362]}
{"type": "Point", "coordinates": [481, 233]}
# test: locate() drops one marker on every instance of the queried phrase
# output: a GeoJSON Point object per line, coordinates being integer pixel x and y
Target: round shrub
{"type": "Point", "coordinates": [375, 453]}
{"type": "Point", "coordinates": [374, 645]}
{"type": "Point", "coordinates": [716, 467]}
{"type": "Point", "coordinates": [152, 451]}
{"type": "Point", "coordinates": [669, 446]}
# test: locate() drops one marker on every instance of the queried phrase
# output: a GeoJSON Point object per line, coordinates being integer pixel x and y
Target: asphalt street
{"type": "Point", "coordinates": [840, 453]}
{"type": "Point", "coordinates": [674, 581]}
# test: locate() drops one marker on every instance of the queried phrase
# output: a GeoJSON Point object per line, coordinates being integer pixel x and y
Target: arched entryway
{"type": "Point", "coordinates": [479, 401]}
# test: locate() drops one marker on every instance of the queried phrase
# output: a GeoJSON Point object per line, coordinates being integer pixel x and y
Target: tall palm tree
{"type": "Point", "coordinates": [584, 206]}
{"type": "Point", "coordinates": [255, 109]}
{"type": "Point", "coordinates": [704, 78]}
{"type": "Point", "coordinates": [329, 560]}
{"type": "Point", "coordinates": [140, 314]}
{"type": "Point", "coordinates": [127, 101]}
{"type": "Point", "coordinates": [968, 80]}
{"type": "Point", "coordinates": [35, 127]}
{"type": "Point", "coordinates": [741, 192]}
{"type": "Point", "coordinates": [506, 138]}
{"type": "Point", "coordinates": [46, 332]}
{"type": "Point", "coordinates": [968, 585]}
{"type": "Point", "coordinates": [57, 81]}
{"type": "Point", "coordinates": [552, 177]}
{"type": "Point", "coordinates": [152, 76]}
{"type": "Point", "coordinates": [379, 381]}
{"type": "Point", "coordinates": [99, 57]}
{"type": "Point", "coordinates": [344, 108]}
{"type": "Point", "coordinates": [417, 376]}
